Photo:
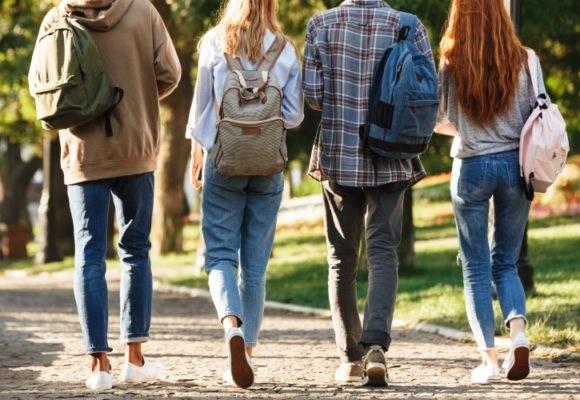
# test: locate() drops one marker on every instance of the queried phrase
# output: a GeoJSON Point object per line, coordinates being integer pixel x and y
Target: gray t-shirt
{"type": "Point", "coordinates": [502, 133]}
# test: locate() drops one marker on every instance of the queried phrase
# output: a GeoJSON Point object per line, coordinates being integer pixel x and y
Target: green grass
{"type": "Point", "coordinates": [174, 260]}
{"type": "Point", "coordinates": [433, 291]}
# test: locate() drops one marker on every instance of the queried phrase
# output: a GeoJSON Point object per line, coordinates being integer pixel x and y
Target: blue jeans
{"type": "Point", "coordinates": [474, 182]}
{"type": "Point", "coordinates": [89, 205]}
{"type": "Point", "coordinates": [238, 225]}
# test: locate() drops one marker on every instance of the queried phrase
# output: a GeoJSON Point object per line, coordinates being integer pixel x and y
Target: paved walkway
{"type": "Point", "coordinates": [41, 355]}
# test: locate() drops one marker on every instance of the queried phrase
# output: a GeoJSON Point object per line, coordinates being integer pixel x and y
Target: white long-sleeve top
{"type": "Point", "coordinates": [211, 76]}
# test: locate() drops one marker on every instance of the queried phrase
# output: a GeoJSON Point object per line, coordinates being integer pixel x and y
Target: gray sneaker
{"type": "Point", "coordinates": [375, 367]}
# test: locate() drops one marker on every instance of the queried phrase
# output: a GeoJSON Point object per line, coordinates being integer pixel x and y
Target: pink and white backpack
{"type": "Point", "coordinates": [543, 142]}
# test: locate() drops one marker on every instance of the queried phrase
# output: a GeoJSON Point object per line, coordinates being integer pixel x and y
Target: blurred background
{"type": "Point", "coordinates": [36, 230]}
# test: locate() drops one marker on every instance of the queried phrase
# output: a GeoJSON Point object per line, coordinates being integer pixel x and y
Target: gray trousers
{"type": "Point", "coordinates": [349, 210]}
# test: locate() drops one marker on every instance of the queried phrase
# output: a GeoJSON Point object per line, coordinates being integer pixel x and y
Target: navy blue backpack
{"type": "Point", "coordinates": [404, 99]}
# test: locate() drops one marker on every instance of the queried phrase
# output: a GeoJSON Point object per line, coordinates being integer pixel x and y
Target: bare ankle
{"type": "Point", "coordinates": [230, 322]}
{"type": "Point", "coordinates": [489, 356]}
{"type": "Point", "coordinates": [99, 362]}
{"type": "Point", "coordinates": [516, 326]}
{"type": "Point", "coordinates": [134, 355]}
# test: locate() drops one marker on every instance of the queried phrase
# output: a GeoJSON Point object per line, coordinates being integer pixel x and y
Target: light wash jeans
{"type": "Point", "coordinates": [238, 225]}
{"type": "Point", "coordinates": [89, 205]}
{"type": "Point", "coordinates": [474, 181]}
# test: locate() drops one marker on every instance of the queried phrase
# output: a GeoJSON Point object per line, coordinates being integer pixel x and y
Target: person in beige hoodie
{"type": "Point", "coordinates": [138, 56]}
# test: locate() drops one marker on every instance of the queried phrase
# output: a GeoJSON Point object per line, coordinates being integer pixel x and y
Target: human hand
{"type": "Point", "coordinates": [196, 164]}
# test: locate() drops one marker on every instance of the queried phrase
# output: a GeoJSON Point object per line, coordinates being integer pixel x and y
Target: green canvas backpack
{"type": "Point", "coordinates": [68, 80]}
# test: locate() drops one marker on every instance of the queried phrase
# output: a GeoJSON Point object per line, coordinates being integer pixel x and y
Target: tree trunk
{"type": "Point", "coordinates": [49, 250]}
{"type": "Point", "coordinates": [16, 175]}
{"type": "Point", "coordinates": [167, 232]}
{"type": "Point", "coordinates": [64, 235]}
{"type": "Point", "coordinates": [525, 269]}
{"type": "Point", "coordinates": [406, 250]}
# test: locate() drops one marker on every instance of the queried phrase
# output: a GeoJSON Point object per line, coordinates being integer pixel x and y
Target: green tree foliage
{"type": "Point", "coordinates": [19, 23]}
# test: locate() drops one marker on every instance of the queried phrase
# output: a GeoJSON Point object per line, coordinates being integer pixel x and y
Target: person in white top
{"type": "Point", "coordinates": [239, 212]}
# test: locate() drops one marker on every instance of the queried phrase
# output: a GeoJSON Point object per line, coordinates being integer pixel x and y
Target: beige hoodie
{"type": "Point", "coordinates": [139, 57]}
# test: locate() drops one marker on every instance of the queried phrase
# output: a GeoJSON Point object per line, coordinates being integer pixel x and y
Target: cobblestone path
{"type": "Point", "coordinates": [41, 355]}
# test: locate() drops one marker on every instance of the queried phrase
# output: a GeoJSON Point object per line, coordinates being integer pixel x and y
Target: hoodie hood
{"type": "Point", "coordinates": [99, 15]}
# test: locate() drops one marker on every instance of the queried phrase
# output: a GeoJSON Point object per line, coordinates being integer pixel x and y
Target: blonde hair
{"type": "Point", "coordinates": [242, 26]}
{"type": "Point", "coordinates": [484, 56]}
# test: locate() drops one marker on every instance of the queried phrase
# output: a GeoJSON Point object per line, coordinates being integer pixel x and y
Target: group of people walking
{"type": "Point", "coordinates": [486, 96]}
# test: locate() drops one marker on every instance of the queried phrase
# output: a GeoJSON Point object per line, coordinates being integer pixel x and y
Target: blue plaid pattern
{"type": "Point", "coordinates": [343, 47]}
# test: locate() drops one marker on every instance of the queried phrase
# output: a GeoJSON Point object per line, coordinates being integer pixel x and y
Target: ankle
{"type": "Point", "coordinates": [230, 322]}
{"type": "Point", "coordinates": [517, 326]}
{"type": "Point", "coordinates": [134, 355]}
{"type": "Point", "coordinates": [489, 357]}
{"type": "Point", "coordinates": [100, 362]}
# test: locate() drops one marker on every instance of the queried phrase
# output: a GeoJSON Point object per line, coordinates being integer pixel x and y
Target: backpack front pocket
{"type": "Point", "coordinates": [251, 148]}
{"type": "Point", "coordinates": [420, 114]}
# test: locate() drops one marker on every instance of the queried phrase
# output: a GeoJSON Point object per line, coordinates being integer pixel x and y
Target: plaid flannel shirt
{"type": "Point", "coordinates": [343, 47]}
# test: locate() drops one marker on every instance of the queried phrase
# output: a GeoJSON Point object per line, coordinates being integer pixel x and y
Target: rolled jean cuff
{"type": "Point", "coordinates": [511, 317]}
{"type": "Point", "coordinates": [135, 339]}
{"type": "Point", "coordinates": [230, 314]}
{"type": "Point", "coordinates": [373, 337]}
{"type": "Point", "coordinates": [102, 349]}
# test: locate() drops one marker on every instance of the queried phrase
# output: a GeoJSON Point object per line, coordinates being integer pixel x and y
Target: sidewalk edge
{"type": "Point", "coordinates": [443, 331]}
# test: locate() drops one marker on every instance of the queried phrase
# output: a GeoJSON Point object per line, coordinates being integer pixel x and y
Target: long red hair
{"type": "Point", "coordinates": [484, 56]}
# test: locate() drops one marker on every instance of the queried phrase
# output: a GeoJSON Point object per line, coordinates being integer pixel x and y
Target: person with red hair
{"type": "Point", "coordinates": [486, 97]}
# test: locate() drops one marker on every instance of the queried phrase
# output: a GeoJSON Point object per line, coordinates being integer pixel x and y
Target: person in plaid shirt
{"type": "Point", "coordinates": [343, 47]}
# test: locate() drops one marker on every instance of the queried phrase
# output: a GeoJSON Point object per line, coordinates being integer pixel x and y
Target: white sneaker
{"type": "Point", "coordinates": [349, 372]}
{"type": "Point", "coordinates": [485, 374]}
{"type": "Point", "coordinates": [229, 380]}
{"type": "Point", "coordinates": [240, 363]}
{"type": "Point", "coordinates": [517, 363]}
{"type": "Point", "coordinates": [146, 373]}
{"type": "Point", "coordinates": [100, 381]}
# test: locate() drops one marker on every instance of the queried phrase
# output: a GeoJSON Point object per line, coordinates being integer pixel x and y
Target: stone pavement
{"type": "Point", "coordinates": [41, 355]}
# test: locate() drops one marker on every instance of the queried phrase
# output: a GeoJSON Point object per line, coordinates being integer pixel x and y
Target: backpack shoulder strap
{"type": "Point", "coordinates": [272, 55]}
{"type": "Point", "coordinates": [533, 69]}
{"type": "Point", "coordinates": [234, 63]}
{"type": "Point", "coordinates": [407, 27]}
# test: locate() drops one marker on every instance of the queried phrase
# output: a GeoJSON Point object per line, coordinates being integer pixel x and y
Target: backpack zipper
{"type": "Point", "coordinates": [399, 70]}
{"type": "Point", "coordinates": [398, 76]}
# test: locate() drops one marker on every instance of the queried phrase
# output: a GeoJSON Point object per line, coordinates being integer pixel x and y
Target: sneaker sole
{"type": "Point", "coordinates": [242, 373]}
{"type": "Point", "coordinates": [491, 380]}
{"type": "Point", "coordinates": [375, 375]}
{"type": "Point", "coordinates": [521, 367]}
{"type": "Point", "coordinates": [99, 387]}
{"type": "Point", "coordinates": [138, 380]}
{"type": "Point", "coordinates": [348, 380]}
